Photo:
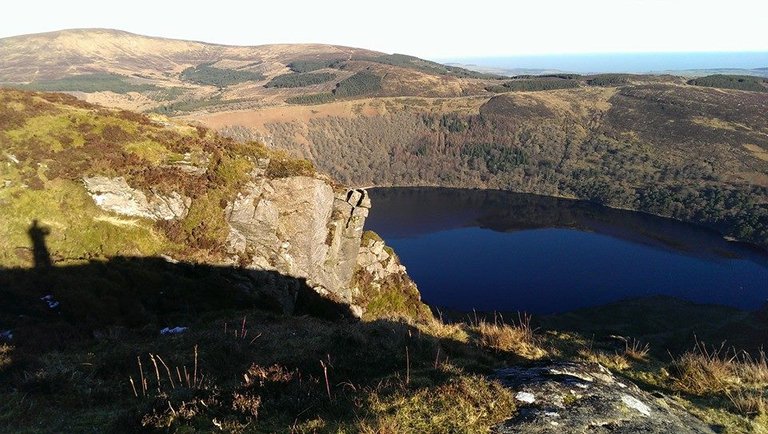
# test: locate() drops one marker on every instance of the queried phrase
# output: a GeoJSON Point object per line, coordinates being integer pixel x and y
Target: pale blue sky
{"type": "Point", "coordinates": [433, 29]}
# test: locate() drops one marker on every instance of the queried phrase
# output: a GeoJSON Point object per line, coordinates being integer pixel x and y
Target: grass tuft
{"type": "Point", "coordinates": [467, 404]}
{"type": "Point", "coordinates": [749, 402]}
{"type": "Point", "coordinates": [635, 350]}
{"type": "Point", "coordinates": [517, 337]}
{"type": "Point", "coordinates": [719, 370]}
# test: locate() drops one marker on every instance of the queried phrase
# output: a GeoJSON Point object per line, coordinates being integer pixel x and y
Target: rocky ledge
{"type": "Point", "coordinates": [571, 397]}
{"type": "Point", "coordinates": [299, 226]}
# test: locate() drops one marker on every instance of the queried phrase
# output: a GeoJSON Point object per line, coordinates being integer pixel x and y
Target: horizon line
{"type": "Point", "coordinates": [426, 56]}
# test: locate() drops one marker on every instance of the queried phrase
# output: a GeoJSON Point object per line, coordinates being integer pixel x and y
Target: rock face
{"type": "Point", "coordinates": [114, 194]}
{"type": "Point", "coordinates": [580, 397]}
{"type": "Point", "coordinates": [382, 284]}
{"type": "Point", "coordinates": [298, 226]}
{"type": "Point", "coordinates": [301, 227]}
{"type": "Point", "coordinates": [377, 260]}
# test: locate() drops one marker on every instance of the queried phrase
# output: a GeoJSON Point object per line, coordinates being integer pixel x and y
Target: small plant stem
{"type": "Point", "coordinates": [327, 383]}
{"type": "Point", "coordinates": [170, 378]}
{"type": "Point", "coordinates": [407, 366]}
{"type": "Point", "coordinates": [133, 386]}
{"type": "Point", "coordinates": [195, 372]}
{"type": "Point", "coordinates": [157, 372]}
{"type": "Point", "coordinates": [143, 381]}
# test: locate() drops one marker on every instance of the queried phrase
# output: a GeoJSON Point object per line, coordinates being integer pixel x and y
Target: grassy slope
{"type": "Point", "coordinates": [50, 141]}
{"type": "Point", "coordinates": [269, 380]}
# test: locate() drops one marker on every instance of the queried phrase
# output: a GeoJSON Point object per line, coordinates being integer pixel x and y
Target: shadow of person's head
{"type": "Point", "coordinates": [41, 255]}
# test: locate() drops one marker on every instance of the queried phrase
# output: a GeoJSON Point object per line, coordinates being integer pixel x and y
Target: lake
{"type": "Point", "coordinates": [501, 251]}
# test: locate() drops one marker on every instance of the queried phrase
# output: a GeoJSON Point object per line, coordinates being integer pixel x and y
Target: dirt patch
{"type": "Point", "coordinates": [757, 151]}
{"type": "Point", "coordinates": [713, 123]}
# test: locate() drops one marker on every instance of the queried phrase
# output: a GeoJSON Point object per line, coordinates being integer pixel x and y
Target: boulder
{"type": "Point", "coordinates": [567, 397]}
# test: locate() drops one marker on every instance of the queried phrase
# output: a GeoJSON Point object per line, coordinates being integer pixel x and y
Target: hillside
{"type": "Point", "coordinates": [693, 153]}
{"type": "Point", "coordinates": [694, 150]}
{"type": "Point", "coordinates": [156, 276]}
{"type": "Point", "coordinates": [173, 76]}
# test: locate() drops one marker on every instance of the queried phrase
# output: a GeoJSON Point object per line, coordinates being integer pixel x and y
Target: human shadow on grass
{"type": "Point", "coordinates": [81, 332]}
{"type": "Point", "coordinates": [47, 306]}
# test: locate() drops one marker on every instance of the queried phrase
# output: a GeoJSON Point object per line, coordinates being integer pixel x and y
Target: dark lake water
{"type": "Point", "coordinates": [492, 250]}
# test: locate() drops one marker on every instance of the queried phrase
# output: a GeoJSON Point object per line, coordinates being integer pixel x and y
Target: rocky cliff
{"type": "Point", "coordinates": [112, 183]}
{"type": "Point", "coordinates": [299, 226]}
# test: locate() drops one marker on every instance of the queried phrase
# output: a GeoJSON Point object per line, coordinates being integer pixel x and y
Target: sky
{"type": "Point", "coordinates": [431, 29]}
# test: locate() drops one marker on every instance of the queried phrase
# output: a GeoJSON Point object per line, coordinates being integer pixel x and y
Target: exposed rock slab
{"type": "Point", "coordinates": [570, 397]}
{"type": "Point", "coordinates": [301, 227]}
{"type": "Point", "coordinates": [378, 261]}
{"type": "Point", "coordinates": [115, 195]}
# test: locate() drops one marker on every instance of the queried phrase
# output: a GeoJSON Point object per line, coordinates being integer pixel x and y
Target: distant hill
{"type": "Point", "coordinates": [760, 72]}
{"type": "Point", "coordinates": [147, 73]}
{"type": "Point", "coordinates": [739, 82]}
{"type": "Point", "coordinates": [55, 55]}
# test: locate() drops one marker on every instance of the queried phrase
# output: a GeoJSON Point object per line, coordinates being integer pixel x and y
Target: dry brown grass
{"type": "Point", "coordinates": [616, 359]}
{"type": "Point", "coordinates": [634, 349]}
{"type": "Point", "coordinates": [719, 370]}
{"type": "Point", "coordinates": [612, 361]}
{"type": "Point", "coordinates": [757, 151]}
{"type": "Point", "coordinates": [516, 337]}
{"type": "Point", "coordinates": [164, 376]}
{"type": "Point", "coordinates": [712, 122]}
{"type": "Point", "coordinates": [5, 355]}
{"type": "Point", "coordinates": [748, 402]}
{"type": "Point", "coordinates": [443, 330]}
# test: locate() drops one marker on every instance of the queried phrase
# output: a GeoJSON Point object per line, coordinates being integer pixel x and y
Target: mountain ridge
{"type": "Point", "coordinates": [61, 54]}
{"type": "Point", "coordinates": [93, 31]}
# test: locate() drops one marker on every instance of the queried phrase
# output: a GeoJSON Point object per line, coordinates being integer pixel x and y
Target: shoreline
{"type": "Point", "coordinates": [726, 237]}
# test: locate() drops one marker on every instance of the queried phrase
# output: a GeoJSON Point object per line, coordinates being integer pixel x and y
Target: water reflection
{"type": "Point", "coordinates": [416, 211]}
{"type": "Point", "coordinates": [495, 250]}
